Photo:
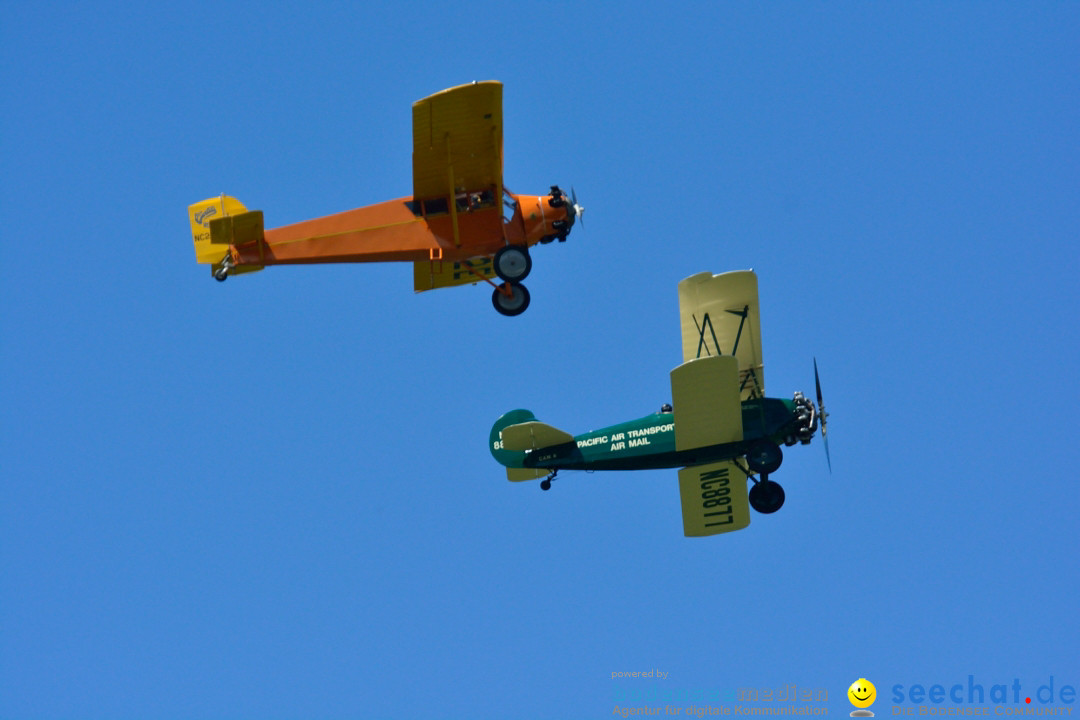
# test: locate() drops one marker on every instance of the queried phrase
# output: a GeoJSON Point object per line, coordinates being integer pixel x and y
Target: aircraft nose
{"type": "Point", "coordinates": [574, 211]}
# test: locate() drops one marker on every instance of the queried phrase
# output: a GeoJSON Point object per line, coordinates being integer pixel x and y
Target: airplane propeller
{"type": "Point", "coordinates": [822, 414]}
{"type": "Point", "coordinates": [574, 213]}
{"type": "Point", "coordinates": [579, 212]}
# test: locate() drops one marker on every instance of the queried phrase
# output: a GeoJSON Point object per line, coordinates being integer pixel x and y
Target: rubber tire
{"type": "Point", "coordinates": [518, 260]}
{"type": "Point", "coordinates": [510, 308]}
{"type": "Point", "coordinates": [764, 457]}
{"type": "Point", "coordinates": [766, 497]}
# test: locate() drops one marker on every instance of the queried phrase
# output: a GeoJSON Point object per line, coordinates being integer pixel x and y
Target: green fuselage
{"type": "Point", "coordinates": [649, 442]}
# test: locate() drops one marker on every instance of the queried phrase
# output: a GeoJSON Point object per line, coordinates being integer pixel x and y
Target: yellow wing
{"type": "Point", "coordinates": [457, 141]}
{"type": "Point", "coordinates": [705, 396]}
{"type": "Point", "coordinates": [432, 274]}
{"type": "Point", "coordinates": [720, 315]}
{"type": "Point", "coordinates": [714, 499]}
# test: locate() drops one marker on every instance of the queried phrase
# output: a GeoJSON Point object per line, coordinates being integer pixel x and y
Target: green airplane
{"type": "Point", "coordinates": [721, 430]}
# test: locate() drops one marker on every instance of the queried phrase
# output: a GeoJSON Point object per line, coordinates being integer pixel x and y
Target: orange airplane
{"type": "Point", "coordinates": [461, 226]}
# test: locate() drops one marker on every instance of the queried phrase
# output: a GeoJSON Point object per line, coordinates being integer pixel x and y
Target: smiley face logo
{"type": "Point", "coordinates": [862, 693]}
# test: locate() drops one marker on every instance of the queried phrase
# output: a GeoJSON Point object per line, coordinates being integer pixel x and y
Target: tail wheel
{"type": "Point", "coordinates": [764, 457]}
{"type": "Point", "coordinates": [514, 303]}
{"type": "Point", "coordinates": [766, 496]}
{"type": "Point", "coordinates": [513, 263]}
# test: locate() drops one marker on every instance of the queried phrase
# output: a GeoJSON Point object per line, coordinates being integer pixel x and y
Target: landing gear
{"type": "Point", "coordinates": [512, 263]}
{"type": "Point", "coordinates": [221, 270]}
{"type": "Point", "coordinates": [766, 496]}
{"type": "Point", "coordinates": [545, 484]}
{"type": "Point", "coordinates": [510, 299]}
{"type": "Point", "coordinates": [764, 457]}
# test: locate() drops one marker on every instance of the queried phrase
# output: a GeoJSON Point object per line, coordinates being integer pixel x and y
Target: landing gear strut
{"type": "Point", "coordinates": [221, 270]}
{"type": "Point", "coordinates": [545, 484]}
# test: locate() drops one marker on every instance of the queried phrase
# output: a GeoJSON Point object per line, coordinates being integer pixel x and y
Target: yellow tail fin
{"type": "Point", "coordinates": [200, 214]}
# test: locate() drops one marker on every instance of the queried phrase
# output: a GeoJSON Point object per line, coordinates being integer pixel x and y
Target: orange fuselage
{"type": "Point", "coordinates": [406, 230]}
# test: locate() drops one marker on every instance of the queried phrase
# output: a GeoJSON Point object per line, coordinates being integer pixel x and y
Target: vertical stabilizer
{"type": "Point", "coordinates": [200, 214]}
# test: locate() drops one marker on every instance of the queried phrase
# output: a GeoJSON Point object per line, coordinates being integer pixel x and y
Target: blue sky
{"type": "Point", "coordinates": [272, 497]}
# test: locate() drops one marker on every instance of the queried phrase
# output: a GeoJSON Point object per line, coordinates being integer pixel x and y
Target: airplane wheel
{"type": "Point", "coordinates": [221, 274]}
{"type": "Point", "coordinates": [545, 485]}
{"type": "Point", "coordinates": [515, 304]}
{"type": "Point", "coordinates": [764, 457]}
{"type": "Point", "coordinates": [766, 496]}
{"type": "Point", "coordinates": [512, 263]}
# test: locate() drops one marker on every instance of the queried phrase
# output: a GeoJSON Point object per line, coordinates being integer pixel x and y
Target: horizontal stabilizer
{"type": "Point", "coordinates": [714, 499]}
{"type": "Point", "coordinates": [532, 436]}
{"type": "Point", "coordinates": [522, 474]}
{"type": "Point", "coordinates": [237, 229]}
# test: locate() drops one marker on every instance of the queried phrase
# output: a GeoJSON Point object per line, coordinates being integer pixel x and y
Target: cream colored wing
{"type": "Point", "coordinates": [714, 499]}
{"type": "Point", "coordinates": [720, 315]}
{"type": "Point", "coordinates": [705, 397]}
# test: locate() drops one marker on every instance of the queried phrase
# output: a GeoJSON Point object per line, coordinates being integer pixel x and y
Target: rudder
{"type": "Point", "coordinates": [514, 461]}
{"type": "Point", "coordinates": [507, 458]}
{"type": "Point", "coordinates": [200, 214]}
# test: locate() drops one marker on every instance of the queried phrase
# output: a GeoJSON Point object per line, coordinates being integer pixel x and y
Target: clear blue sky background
{"type": "Point", "coordinates": [273, 498]}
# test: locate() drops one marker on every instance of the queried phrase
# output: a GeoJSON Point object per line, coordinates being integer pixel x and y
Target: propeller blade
{"type": "Point", "coordinates": [578, 210]}
{"type": "Point", "coordinates": [823, 415]}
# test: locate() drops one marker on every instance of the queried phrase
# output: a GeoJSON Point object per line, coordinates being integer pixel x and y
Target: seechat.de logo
{"type": "Point", "coordinates": [862, 694]}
